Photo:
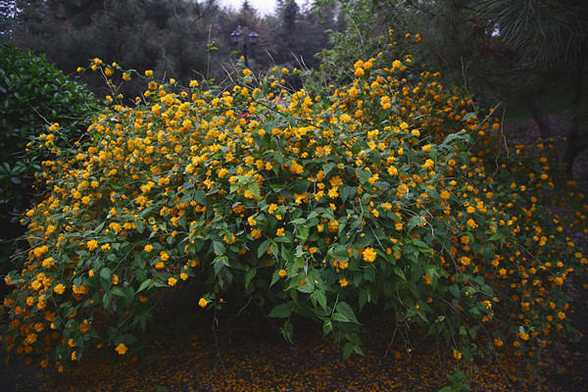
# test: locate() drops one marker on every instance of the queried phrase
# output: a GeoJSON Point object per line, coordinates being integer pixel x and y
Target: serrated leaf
{"type": "Point", "coordinates": [344, 313]}
{"type": "Point", "coordinates": [218, 247]}
{"type": "Point", "coordinates": [319, 297]}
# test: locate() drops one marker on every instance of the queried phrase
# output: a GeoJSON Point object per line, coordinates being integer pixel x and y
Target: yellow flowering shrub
{"type": "Point", "coordinates": [389, 193]}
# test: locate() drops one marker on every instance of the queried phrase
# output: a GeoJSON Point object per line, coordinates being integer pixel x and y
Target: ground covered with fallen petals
{"type": "Point", "coordinates": [243, 356]}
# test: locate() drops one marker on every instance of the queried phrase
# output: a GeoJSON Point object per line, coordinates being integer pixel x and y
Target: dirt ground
{"type": "Point", "coordinates": [250, 357]}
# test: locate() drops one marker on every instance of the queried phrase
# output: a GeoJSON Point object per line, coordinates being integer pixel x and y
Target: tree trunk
{"type": "Point", "coordinates": [577, 140]}
{"type": "Point", "coordinates": [540, 118]}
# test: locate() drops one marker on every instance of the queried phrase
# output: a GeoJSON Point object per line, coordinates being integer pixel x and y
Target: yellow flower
{"type": "Point", "coordinates": [40, 251]}
{"type": "Point", "coordinates": [296, 168]}
{"type": "Point", "coordinates": [427, 279]}
{"type": "Point", "coordinates": [121, 349]}
{"type": "Point", "coordinates": [202, 302]}
{"type": "Point", "coordinates": [256, 234]}
{"type": "Point", "coordinates": [48, 262]}
{"type": "Point", "coordinates": [282, 273]}
{"type": "Point", "coordinates": [343, 282]}
{"type": "Point", "coordinates": [281, 232]}
{"type": "Point", "coordinates": [369, 255]}
{"type": "Point", "coordinates": [429, 164]}
{"type": "Point", "coordinates": [402, 189]}
{"type": "Point", "coordinates": [92, 245]}
{"type": "Point", "coordinates": [272, 208]}
{"type": "Point", "coordinates": [251, 221]}
{"type": "Point", "coordinates": [472, 224]}
{"type": "Point", "coordinates": [172, 281]}
{"type": "Point", "coordinates": [59, 289]}
{"type": "Point", "coordinates": [149, 73]}
{"type": "Point", "coordinates": [457, 355]}
{"type": "Point", "coordinates": [345, 118]}
{"type": "Point", "coordinates": [333, 193]}
{"type": "Point", "coordinates": [114, 226]}
{"type": "Point", "coordinates": [148, 248]}
{"type": "Point", "coordinates": [84, 326]}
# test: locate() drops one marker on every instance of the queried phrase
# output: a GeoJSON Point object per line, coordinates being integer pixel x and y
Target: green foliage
{"type": "Point", "coordinates": [33, 95]}
{"type": "Point", "coordinates": [358, 36]}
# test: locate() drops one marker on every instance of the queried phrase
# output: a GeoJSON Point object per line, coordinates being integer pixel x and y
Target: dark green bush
{"type": "Point", "coordinates": [33, 94]}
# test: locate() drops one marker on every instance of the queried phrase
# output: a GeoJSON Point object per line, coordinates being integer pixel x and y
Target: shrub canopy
{"type": "Point", "coordinates": [390, 193]}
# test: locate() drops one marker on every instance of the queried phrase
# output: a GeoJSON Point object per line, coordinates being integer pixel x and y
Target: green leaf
{"type": "Point", "coordinates": [344, 313]}
{"type": "Point", "coordinates": [399, 273]}
{"type": "Point", "coordinates": [140, 226]}
{"type": "Point", "coordinates": [218, 247]}
{"type": "Point", "coordinates": [281, 311]}
{"type": "Point", "coordinates": [302, 233]}
{"type": "Point", "coordinates": [249, 275]}
{"type": "Point", "coordinates": [351, 348]}
{"type": "Point", "coordinates": [454, 290]}
{"type": "Point", "coordinates": [219, 263]}
{"type": "Point", "coordinates": [318, 296]}
{"type": "Point", "coordinates": [327, 167]}
{"type": "Point", "coordinates": [275, 278]}
{"type": "Point", "coordinates": [327, 327]}
{"type": "Point", "coordinates": [106, 274]}
{"type": "Point", "coordinates": [287, 331]}
{"type": "Point", "coordinates": [413, 222]}
{"type": "Point", "coordinates": [147, 284]}
{"type": "Point", "coordinates": [262, 248]}
{"type": "Point", "coordinates": [298, 221]}
{"type": "Point", "coordinates": [118, 292]}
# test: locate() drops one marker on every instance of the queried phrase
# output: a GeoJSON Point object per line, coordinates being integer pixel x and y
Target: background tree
{"type": "Point", "coordinates": [7, 14]}
{"type": "Point", "coordinates": [528, 55]}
